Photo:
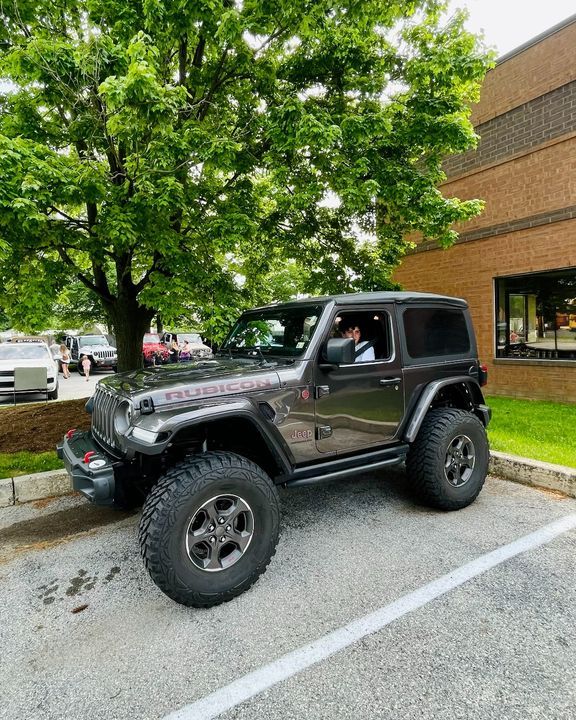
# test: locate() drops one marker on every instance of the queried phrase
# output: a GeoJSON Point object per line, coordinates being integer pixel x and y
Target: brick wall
{"type": "Point", "coordinates": [525, 170]}
{"type": "Point", "coordinates": [538, 182]}
{"type": "Point", "coordinates": [547, 65]}
{"type": "Point", "coordinates": [468, 270]}
{"type": "Point", "coordinates": [534, 123]}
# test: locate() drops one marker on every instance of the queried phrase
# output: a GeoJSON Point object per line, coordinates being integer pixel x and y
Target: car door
{"type": "Point", "coordinates": [361, 404]}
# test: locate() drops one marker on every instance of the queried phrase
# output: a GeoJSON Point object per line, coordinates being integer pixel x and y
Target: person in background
{"type": "Point", "coordinates": [86, 365]}
{"type": "Point", "coordinates": [65, 361]}
{"type": "Point", "coordinates": [173, 352]}
{"type": "Point", "coordinates": [186, 352]}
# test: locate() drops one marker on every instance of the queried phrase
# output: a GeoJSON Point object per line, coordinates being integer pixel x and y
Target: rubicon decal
{"type": "Point", "coordinates": [219, 389]}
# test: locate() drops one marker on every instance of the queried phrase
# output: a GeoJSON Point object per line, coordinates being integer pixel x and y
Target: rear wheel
{"type": "Point", "coordinates": [209, 528]}
{"type": "Point", "coordinates": [448, 462]}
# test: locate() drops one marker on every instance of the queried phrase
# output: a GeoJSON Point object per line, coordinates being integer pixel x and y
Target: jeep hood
{"type": "Point", "coordinates": [195, 380]}
{"type": "Point", "coordinates": [91, 349]}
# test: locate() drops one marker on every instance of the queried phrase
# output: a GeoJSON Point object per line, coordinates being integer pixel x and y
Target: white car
{"type": "Point", "coordinates": [30, 355]}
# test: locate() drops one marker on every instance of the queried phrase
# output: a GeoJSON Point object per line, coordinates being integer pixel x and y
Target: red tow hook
{"type": "Point", "coordinates": [70, 433]}
{"type": "Point", "coordinates": [89, 455]}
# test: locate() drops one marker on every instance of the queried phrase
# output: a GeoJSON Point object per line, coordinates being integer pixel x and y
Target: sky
{"type": "Point", "coordinates": [510, 23]}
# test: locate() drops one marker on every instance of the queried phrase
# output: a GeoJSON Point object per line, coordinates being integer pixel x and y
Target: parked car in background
{"type": "Point", "coordinates": [28, 353]}
{"type": "Point", "coordinates": [96, 347]}
{"type": "Point", "coordinates": [154, 351]}
{"type": "Point", "coordinates": [198, 350]}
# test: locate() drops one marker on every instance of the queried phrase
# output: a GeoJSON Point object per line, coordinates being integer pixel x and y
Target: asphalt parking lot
{"type": "Point", "coordinates": [84, 632]}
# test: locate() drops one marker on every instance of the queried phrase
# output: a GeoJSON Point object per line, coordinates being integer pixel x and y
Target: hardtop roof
{"type": "Point", "coordinates": [366, 298]}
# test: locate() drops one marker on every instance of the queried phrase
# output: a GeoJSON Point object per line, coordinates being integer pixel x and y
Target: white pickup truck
{"type": "Point", "coordinates": [29, 354]}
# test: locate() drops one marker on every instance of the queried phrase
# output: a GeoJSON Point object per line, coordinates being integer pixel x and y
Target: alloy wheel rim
{"type": "Point", "coordinates": [460, 461]}
{"type": "Point", "coordinates": [219, 533]}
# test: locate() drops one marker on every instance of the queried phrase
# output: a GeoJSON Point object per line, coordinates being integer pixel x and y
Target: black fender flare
{"type": "Point", "coordinates": [428, 395]}
{"type": "Point", "coordinates": [205, 414]}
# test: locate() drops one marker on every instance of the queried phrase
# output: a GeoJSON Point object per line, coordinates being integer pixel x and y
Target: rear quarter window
{"type": "Point", "coordinates": [432, 332]}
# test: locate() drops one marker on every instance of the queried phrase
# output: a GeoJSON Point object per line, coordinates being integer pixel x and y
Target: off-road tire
{"type": "Point", "coordinates": [53, 395]}
{"type": "Point", "coordinates": [174, 502]}
{"type": "Point", "coordinates": [426, 463]}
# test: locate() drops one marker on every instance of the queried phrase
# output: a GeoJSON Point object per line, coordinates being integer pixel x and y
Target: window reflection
{"type": "Point", "coordinates": [536, 316]}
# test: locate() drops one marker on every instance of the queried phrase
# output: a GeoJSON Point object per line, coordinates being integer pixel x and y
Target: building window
{"type": "Point", "coordinates": [536, 316]}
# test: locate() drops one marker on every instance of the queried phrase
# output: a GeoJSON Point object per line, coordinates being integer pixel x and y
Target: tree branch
{"type": "Point", "coordinates": [104, 293]}
{"type": "Point", "coordinates": [182, 60]}
{"type": "Point", "coordinates": [199, 52]}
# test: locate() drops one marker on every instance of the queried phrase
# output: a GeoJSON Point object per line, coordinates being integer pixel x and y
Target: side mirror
{"type": "Point", "coordinates": [340, 351]}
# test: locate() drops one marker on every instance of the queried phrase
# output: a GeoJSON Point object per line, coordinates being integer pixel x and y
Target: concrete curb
{"type": "Point", "coordinates": [26, 488]}
{"type": "Point", "coordinates": [534, 473]}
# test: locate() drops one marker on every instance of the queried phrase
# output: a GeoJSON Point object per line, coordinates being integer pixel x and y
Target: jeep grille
{"type": "Point", "coordinates": [100, 353]}
{"type": "Point", "coordinates": [105, 403]}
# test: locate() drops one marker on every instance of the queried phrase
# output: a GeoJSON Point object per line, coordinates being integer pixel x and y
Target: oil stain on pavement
{"type": "Point", "coordinates": [81, 582]}
{"type": "Point", "coordinates": [56, 528]}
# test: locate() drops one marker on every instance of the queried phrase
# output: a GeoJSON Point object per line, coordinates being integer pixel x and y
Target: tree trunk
{"type": "Point", "coordinates": [159, 325]}
{"type": "Point", "coordinates": [130, 321]}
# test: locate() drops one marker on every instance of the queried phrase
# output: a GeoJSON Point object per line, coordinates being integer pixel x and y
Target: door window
{"type": "Point", "coordinates": [370, 331]}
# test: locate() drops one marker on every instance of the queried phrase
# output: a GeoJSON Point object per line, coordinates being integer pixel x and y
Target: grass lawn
{"type": "Point", "coordinates": [529, 428]}
{"type": "Point", "coordinates": [25, 463]}
{"type": "Point", "coordinates": [534, 429]}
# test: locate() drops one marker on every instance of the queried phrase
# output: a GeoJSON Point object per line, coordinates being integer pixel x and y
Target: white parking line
{"type": "Point", "coordinates": [288, 665]}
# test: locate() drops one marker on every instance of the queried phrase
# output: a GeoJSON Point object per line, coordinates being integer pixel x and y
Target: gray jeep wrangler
{"type": "Point", "coordinates": [299, 392]}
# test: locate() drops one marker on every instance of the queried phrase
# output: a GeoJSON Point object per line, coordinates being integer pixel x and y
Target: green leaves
{"type": "Point", "coordinates": [196, 158]}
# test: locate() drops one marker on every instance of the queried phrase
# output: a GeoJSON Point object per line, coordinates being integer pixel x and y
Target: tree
{"type": "Point", "coordinates": [157, 150]}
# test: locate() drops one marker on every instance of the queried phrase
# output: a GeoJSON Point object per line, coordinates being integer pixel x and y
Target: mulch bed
{"type": "Point", "coordinates": [38, 428]}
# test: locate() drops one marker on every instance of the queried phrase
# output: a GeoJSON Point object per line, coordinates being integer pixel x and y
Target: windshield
{"type": "Point", "coordinates": [275, 331]}
{"type": "Point", "coordinates": [190, 337]}
{"type": "Point", "coordinates": [24, 352]}
{"type": "Point", "coordinates": [151, 338]}
{"type": "Point", "coordinates": [94, 340]}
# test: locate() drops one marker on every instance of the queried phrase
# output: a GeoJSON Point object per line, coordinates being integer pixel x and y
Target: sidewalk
{"type": "Point", "coordinates": [26, 488]}
{"type": "Point", "coordinates": [71, 389]}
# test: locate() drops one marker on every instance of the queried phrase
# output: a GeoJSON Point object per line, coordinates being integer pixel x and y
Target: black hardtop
{"type": "Point", "coordinates": [367, 298]}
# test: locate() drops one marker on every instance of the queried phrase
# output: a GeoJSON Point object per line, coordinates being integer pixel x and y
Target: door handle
{"type": "Point", "coordinates": [390, 381]}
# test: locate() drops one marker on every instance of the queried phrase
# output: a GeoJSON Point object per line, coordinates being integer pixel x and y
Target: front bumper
{"type": "Point", "coordinates": [106, 362]}
{"type": "Point", "coordinates": [94, 479]}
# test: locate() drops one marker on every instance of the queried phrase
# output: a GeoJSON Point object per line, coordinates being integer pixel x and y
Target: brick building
{"type": "Point", "coordinates": [516, 263]}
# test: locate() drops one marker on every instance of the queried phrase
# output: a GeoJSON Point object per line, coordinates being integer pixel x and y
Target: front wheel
{"type": "Point", "coordinates": [209, 528]}
{"type": "Point", "coordinates": [448, 462]}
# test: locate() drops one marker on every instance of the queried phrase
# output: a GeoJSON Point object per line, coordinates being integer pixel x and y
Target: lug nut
{"type": "Point", "coordinates": [228, 528]}
{"type": "Point", "coordinates": [221, 521]}
{"type": "Point", "coordinates": [223, 538]}
{"type": "Point", "coordinates": [211, 528]}
{"type": "Point", "coordinates": [212, 539]}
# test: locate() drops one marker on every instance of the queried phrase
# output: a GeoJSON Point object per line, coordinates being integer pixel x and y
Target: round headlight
{"type": "Point", "coordinates": [122, 417]}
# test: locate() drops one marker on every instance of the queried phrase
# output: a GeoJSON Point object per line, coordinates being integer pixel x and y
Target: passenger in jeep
{"type": "Point", "coordinates": [353, 331]}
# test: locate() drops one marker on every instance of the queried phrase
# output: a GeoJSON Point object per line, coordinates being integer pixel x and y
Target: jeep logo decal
{"type": "Point", "coordinates": [220, 388]}
{"type": "Point", "coordinates": [301, 435]}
